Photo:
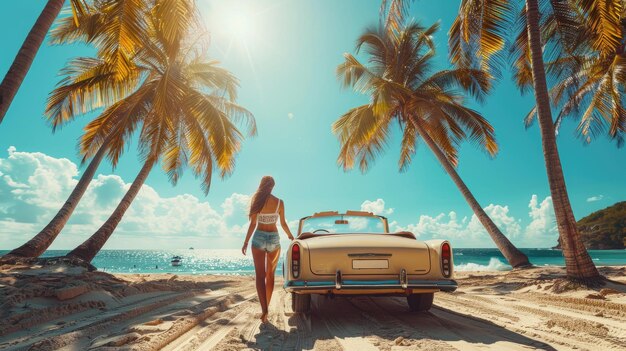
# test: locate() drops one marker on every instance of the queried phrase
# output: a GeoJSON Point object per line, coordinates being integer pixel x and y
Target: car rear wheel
{"type": "Point", "coordinates": [300, 303]}
{"type": "Point", "coordinates": [420, 302]}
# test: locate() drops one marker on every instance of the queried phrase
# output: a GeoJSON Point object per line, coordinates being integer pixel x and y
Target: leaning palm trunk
{"type": "Point", "coordinates": [25, 57]}
{"type": "Point", "coordinates": [40, 243]}
{"type": "Point", "coordinates": [578, 263]}
{"type": "Point", "coordinates": [515, 257]}
{"type": "Point", "coordinates": [88, 249]}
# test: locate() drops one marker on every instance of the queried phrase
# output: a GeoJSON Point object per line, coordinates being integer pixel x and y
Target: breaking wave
{"type": "Point", "coordinates": [494, 265]}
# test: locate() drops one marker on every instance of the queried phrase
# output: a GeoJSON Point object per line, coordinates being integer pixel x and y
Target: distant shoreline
{"type": "Point", "coordinates": [232, 262]}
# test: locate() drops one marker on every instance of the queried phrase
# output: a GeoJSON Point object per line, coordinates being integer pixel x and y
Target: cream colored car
{"type": "Point", "coordinates": [354, 253]}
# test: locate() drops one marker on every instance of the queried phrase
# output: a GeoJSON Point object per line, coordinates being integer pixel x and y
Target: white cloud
{"type": "Point", "coordinates": [33, 186]}
{"type": "Point", "coordinates": [595, 198]}
{"type": "Point", "coordinates": [540, 231]}
{"type": "Point", "coordinates": [376, 207]}
{"type": "Point", "coordinates": [290, 115]}
{"type": "Point", "coordinates": [33, 183]}
{"type": "Point", "coordinates": [235, 203]}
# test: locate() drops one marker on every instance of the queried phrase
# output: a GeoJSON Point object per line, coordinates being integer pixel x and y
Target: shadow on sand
{"type": "Point", "coordinates": [378, 322]}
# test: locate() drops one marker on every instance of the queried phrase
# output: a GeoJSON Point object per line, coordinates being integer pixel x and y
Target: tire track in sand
{"type": "Point", "coordinates": [195, 333]}
{"type": "Point", "coordinates": [221, 333]}
{"type": "Point", "coordinates": [297, 326]}
{"type": "Point", "coordinates": [252, 333]}
{"type": "Point", "coordinates": [344, 322]}
{"type": "Point", "coordinates": [459, 330]}
{"type": "Point", "coordinates": [544, 319]}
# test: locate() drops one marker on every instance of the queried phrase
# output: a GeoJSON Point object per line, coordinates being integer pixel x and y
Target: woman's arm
{"type": "Point", "coordinates": [283, 222]}
{"type": "Point", "coordinates": [251, 229]}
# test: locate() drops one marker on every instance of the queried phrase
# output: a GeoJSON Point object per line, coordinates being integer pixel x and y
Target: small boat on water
{"type": "Point", "coordinates": [177, 261]}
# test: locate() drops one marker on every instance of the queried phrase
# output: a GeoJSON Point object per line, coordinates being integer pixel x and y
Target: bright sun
{"type": "Point", "coordinates": [241, 25]}
{"type": "Point", "coordinates": [236, 21]}
{"type": "Point", "coordinates": [237, 28]}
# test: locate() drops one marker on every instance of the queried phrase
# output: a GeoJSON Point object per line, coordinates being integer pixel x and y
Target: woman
{"type": "Point", "coordinates": [265, 211]}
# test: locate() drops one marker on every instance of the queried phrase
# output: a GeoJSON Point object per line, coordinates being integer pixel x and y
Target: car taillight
{"type": "Point", "coordinates": [446, 260]}
{"type": "Point", "coordinates": [295, 260]}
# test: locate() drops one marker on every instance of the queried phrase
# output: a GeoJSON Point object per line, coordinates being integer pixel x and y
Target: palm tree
{"type": "Point", "coordinates": [25, 57]}
{"type": "Point", "coordinates": [477, 38]}
{"type": "Point", "coordinates": [185, 120]}
{"type": "Point", "coordinates": [117, 28]}
{"type": "Point", "coordinates": [427, 106]}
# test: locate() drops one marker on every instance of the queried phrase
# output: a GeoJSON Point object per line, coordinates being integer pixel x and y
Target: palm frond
{"type": "Point", "coordinates": [237, 113]}
{"type": "Point", "coordinates": [476, 82]}
{"type": "Point", "coordinates": [604, 21]}
{"type": "Point", "coordinates": [376, 45]}
{"type": "Point", "coordinates": [116, 124]}
{"type": "Point", "coordinates": [478, 34]}
{"type": "Point", "coordinates": [211, 76]}
{"type": "Point", "coordinates": [79, 9]}
{"type": "Point", "coordinates": [408, 146]}
{"type": "Point", "coordinates": [393, 13]}
{"type": "Point", "coordinates": [79, 27]}
{"type": "Point", "coordinates": [532, 116]}
{"type": "Point", "coordinates": [363, 135]}
{"type": "Point", "coordinates": [353, 74]}
{"type": "Point", "coordinates": [88, 84]}
{"type": "Point", "coordinates": [175, 21]}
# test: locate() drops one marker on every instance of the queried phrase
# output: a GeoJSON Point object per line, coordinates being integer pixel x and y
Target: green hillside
{"type": "Point", "coordinates": [605, 229]}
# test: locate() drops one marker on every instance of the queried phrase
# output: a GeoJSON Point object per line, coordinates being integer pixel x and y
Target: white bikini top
{"type": "Point", "coordinates": [268, 218]}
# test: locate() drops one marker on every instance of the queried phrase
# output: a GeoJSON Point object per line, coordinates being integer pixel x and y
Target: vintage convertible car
{"type": "Point", "coordinates": [354, 253]}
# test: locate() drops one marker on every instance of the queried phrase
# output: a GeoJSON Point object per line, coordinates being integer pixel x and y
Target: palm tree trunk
{"type": "Point", "coordinates": [578, 263]}
{"type": "Point", "coordinates": [515, 257]}
{"type": "Point", "coordinates": [88, 249]}
{"type": "Point", "coordinates": [40, 243]}
{"type": "Point", "coordinates": [25, 57]}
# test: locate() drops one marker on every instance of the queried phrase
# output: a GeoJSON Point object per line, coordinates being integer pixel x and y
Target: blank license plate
{"type": "Point", "coordinates": [369, 264]}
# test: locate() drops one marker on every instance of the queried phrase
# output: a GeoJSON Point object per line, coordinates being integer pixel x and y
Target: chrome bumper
{"type": "Point", "coordinates": [447, 285]}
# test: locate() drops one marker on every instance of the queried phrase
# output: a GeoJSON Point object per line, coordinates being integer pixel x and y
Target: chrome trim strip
{"type": "Point", "coordinates": [443, 285]}
{"type": "Point", "coordinates": [369, 254]}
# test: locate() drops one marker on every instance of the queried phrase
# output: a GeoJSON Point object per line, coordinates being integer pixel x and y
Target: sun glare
{"type": "Point", "coordinates": [241, 25]}
{"type": "Point", "coordinates": [235, 23]}
{"type": "Point", "coordinates": [237, 28]}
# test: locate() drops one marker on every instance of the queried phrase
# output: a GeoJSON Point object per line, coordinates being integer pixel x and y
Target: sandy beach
{"type": "Point", "coordinates": [68, 308]}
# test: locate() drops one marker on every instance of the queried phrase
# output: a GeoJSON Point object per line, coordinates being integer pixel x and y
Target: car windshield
{"type": "Point", "coordinates": [341, 224]}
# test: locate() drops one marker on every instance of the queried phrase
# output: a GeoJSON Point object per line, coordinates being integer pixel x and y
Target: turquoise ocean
{"type": "Point", "coordinates": [204, 261]}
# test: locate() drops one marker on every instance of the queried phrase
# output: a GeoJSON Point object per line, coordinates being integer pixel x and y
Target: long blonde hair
{"type": "Point", "coordinates": [260, 197]}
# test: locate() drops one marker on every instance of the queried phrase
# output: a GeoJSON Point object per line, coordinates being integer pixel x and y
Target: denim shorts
{"type": "Point", "coordinates": [268, 241]}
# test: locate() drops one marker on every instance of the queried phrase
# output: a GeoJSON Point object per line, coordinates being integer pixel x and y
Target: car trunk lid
{"type": "Point", "coordinates": [366, 254]}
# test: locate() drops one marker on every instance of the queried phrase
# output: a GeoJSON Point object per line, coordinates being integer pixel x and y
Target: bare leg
{"type": "Point", "coordinates": [259, 268]}
{"type": "Point", "coordinates": [270, 271]}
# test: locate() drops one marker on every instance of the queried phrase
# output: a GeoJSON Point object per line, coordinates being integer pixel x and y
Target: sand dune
{"type": "Point", "coordinates": [61, 308]}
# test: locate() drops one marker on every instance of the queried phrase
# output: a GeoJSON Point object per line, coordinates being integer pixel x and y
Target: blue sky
{"type": "Point", "coordinates": [285, 54]}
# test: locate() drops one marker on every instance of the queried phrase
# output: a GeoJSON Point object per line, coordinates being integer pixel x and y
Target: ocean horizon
{"type": "Point", "coordinates": [232, 262]}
